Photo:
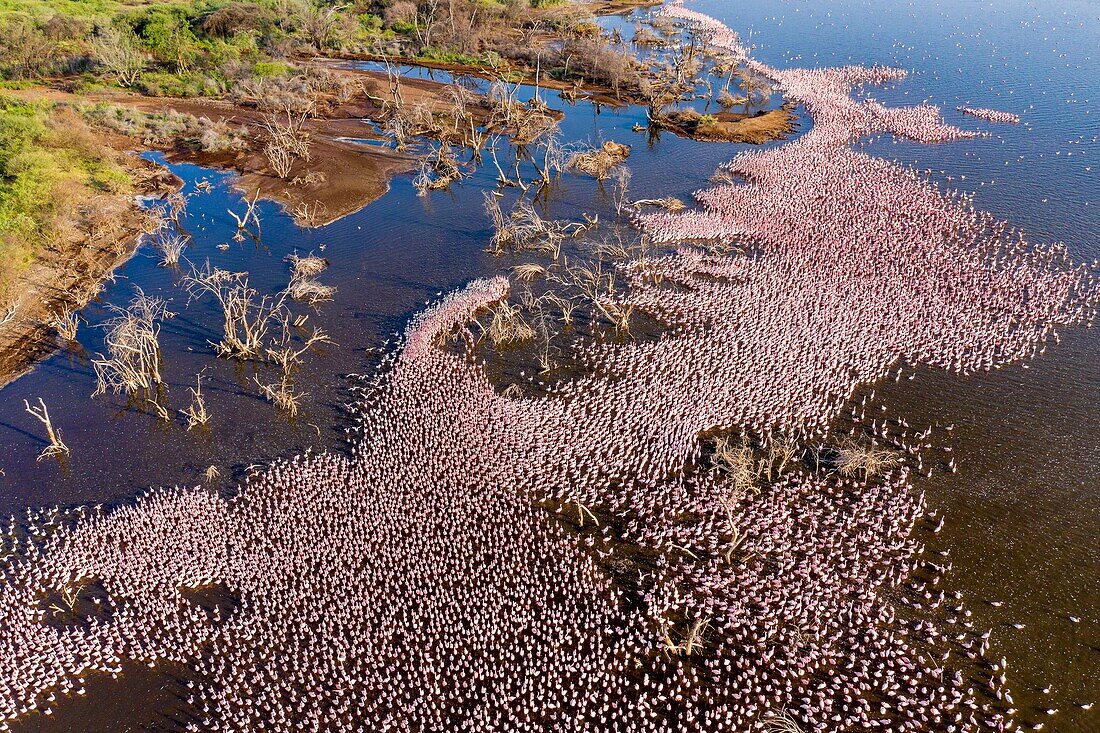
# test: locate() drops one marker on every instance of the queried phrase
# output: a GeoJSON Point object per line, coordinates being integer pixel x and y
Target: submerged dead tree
{"type": "Point", "coordinates": [56, 446]}
{"type": "Point", "coordinates": [247, 316]}
{"type": "Point", "coordinates": [132, 363]}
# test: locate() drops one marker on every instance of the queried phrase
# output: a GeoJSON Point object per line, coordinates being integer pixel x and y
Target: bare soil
{"type": "Point", "coordinates": [736, 127]}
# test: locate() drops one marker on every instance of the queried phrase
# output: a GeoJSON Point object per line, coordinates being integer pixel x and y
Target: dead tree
{"type": "Point", "coordinates": [132, 362]}
{"type": "Point", "coordinates": [249, 215]}
{"type": "Point", "coordinates": [56, 446]}
{"type": "Point", "coordinates": [247, 316]}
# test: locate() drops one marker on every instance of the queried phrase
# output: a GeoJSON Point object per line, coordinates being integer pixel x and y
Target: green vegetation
{"type": "Point", "coordinates": [251, 52]}
{"type": "Point", "coordinates": [52, 172]}
{"type": "Point", "coordinates": [206, 48]}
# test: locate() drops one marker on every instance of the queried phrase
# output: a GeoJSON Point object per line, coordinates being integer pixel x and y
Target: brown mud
{"type": "Point", "coordinates": [735, 127]}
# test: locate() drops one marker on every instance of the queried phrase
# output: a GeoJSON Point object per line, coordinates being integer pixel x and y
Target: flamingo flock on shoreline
{"type": "Point", "coordinates": [569, 562]}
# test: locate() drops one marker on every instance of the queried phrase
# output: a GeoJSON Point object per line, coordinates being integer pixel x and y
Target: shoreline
{"type": "Point", "coordinates": [68, 280]}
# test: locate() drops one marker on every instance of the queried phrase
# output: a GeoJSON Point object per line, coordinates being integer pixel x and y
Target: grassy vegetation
{"type": "Point", "coordinates": [206, 48]}
{"type": "Point", "coordinates": [52, 171]}
{"type": "Point", "coordinates": [75, 8]}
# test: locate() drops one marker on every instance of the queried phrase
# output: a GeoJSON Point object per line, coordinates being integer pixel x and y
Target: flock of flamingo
{"type": "Point", "coordinates": [991, 115]}
{"type": "Point", "coordinates": [567, 562]}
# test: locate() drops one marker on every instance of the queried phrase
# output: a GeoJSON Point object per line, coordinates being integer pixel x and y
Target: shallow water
{"type": "Point", "coordinates": [1023, 511]}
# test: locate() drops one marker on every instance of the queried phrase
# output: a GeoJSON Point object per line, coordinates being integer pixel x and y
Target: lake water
{"type": "Point", "coordinates": [1023, 511]}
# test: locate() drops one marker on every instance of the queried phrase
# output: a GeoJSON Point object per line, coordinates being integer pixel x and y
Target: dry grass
{"type": "Point", "coordinates": [668, 203]}
{"type": "Point", "coordinates": [310, 291]}
{"type": "Point", "coordinates": [308, 266]}
{"type": "Point", "coordinates": [523, 229]}
{"type": "Point", "coordinates": [303, 283]}
{"type": "Point", "coordinates": [438, 171]}
{"type": "Point", "coordinates": [599, 162]}
{"type": "Point", "coordinates": [529, 271]}
{"type": "Point", "coordinates": [854, 459]}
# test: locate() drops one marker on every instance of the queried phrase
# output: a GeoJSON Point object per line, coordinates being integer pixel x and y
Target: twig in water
{"type": "Point", "coordinates": [196, 413]}
{"type": "Point", "coordinates": [56, 447]}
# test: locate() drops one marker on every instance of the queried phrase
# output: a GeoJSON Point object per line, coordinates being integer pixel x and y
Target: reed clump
{"type": "Point", "coordinates": [171, 246]}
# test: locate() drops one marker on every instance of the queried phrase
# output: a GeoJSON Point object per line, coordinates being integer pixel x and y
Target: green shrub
{"type": "Point", "coordinates": [271, 69]}
{"type": "Point", "coordinates": [189, 84]}
{"type": "Point", "coordinates": [431, 53]}
{"type": "Point", "coordinates": [50, 163]}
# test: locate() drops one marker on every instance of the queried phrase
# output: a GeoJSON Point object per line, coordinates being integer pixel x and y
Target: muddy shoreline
{"type": "Point", "coordinates": [67, 279]}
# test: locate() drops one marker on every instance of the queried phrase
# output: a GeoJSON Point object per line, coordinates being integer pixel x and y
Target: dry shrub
{"type": "Point", "coordinates": [854, 459]}
{"type": "Point", "coordinates": [600, 162]}
{"type": "Point", "coordinates": [727, 100]}
{"type": "Point", "coordinates": [282, 392]}
{"type": "Point", "coordinates": [643, 36]}
{"type": "Point", "coordinates": [196, 413]}
{"type": "Point", "coordinates": [781, 722]}
{"type": "Point", "coordinates": [437, 171]}
{"type": "Point", "coordinates": [66, 325]}
{"type": "Point", "coordinates": [508, 326]}
{"type": "Point", "coordinates": [287, 141]}
{"type": "Point", "coordinates": [132, 362]}
{"type": "Point", "coordinates": [248, 317]}
{"type": "Point", "coordinates": [735, 460]}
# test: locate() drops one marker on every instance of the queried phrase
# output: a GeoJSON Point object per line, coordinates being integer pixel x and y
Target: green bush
{"type": "Point", "coordinates": [271, 69]}
{"type": "Point", "coordinates": [45, 161]}
{"type": "Point", "coordinates": [188, 84]}
{"type": "Point", "coordinates": [430, 53]}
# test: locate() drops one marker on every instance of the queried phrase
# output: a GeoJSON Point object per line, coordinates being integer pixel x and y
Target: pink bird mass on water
{"type": "Point", "coordinates": [427, 583]}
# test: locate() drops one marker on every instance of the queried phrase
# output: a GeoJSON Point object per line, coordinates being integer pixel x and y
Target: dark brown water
{"type": "Point", "coordinates": [1023, 510]}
